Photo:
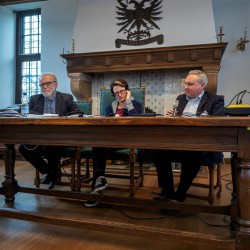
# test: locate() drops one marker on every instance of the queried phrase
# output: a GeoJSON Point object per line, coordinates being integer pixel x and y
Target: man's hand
{"type": "Point", "coordinates": [170, 112]}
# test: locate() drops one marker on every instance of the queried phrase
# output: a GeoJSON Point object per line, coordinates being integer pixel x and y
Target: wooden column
{"type": "Point", "coordinates": [212, 75]}
{"type": "Point", "coordinates": [81, 86]}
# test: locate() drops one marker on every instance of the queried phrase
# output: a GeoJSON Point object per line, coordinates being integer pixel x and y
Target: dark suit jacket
{"type": "Point", "coordinates": [212, 104]}
{"type": "Point", "coordinates": [64, 105]}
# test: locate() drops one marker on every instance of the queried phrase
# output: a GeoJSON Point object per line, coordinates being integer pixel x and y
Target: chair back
{"type": "Point", "coordinates": [85, 107]}
{"type": "Point", "coordinates": [107, 98]}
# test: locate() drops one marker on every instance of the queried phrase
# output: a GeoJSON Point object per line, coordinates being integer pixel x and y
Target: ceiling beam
{"type": "Point", "coordinates": [10, 2]}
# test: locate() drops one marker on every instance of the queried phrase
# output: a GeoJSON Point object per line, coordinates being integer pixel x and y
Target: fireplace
{"type": "Point", "coordinates": [81, 67]}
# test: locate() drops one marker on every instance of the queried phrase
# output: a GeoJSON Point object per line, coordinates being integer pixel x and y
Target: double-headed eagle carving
{"type": "Point", "coordinates": [138, 21]}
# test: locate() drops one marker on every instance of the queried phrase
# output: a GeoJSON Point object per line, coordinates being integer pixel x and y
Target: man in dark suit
{"type": "Point", "coordinates": [52, 102]}
{"type": "Point", "coordinates": [195, 102]}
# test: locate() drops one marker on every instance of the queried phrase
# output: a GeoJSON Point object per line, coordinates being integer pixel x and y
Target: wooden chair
{"type": "Point", "coordinates": [71, 154]}
{"type": "Point", "coordinates": [131, 155]}
{"type": "Point", "coordinates": [128, 155]}
{"type": "Point", "coordinates": [75, 153]}
{"type": "Point", "coordinates": [213, 161]}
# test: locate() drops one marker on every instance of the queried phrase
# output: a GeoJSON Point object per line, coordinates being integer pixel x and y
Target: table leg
{"type": "Point", "coordinates": [9, 183]}
{"type": "Point", "coordinates": [234, 206]}
{"type": "Point", "coordinates": [243, 201]}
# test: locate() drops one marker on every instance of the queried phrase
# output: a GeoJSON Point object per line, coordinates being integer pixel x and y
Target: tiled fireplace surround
{"type": "Point", "coordinates": [161, 70]}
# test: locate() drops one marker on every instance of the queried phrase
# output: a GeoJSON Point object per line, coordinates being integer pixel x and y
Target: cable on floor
{"type": "Point", "coordinates": [216, 225]}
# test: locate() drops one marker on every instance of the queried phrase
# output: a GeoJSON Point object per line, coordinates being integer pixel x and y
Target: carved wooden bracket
{"type": "Point", "coordinates": [80, 85]}
{"type": "Point", "coordinates": [202, 56]}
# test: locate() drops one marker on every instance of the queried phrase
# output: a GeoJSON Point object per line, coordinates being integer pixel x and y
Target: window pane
{"type": "Point", "coordinates": [31, 71]}
{"type": "Point", "coordinates": [28, 53]}
{"type": "Point", "coordinates": [31, 34]}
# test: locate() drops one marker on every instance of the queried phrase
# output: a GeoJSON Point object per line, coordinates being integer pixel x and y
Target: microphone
{"type": "Point", "coordinates": [175, 106]}
{"type": "Point", "coordinates": [76, 110]}
{"type": "Point", "coordinates": [39, 110]}
{"type": "Point", "coordinates": [148, 114]}
{"type": "Point", "coordinates": [110, 114]}
{"type": "Point", "coordinates": [72, 113]}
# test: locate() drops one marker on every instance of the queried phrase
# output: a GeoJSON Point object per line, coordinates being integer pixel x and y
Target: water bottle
{"type": "Point", "coordinates": [24, 105]}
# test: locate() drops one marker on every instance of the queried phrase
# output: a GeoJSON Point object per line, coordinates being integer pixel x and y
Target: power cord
{"type": "Point", "coordinates": [239, 99]}
{"type": "Point", "coordinates": [229, 181]}
{"type": "Point", "coordinates": [167, 213]}
{"type": "Point", "coordinates": [226, 218]}
{"type": "Point", "coordinates": [66, 174]}
{"type": "Point", "coordinates": [216, 225]}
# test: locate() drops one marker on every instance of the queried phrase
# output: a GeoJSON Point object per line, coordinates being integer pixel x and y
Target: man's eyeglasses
{"type": "Point", "coordinates": [46, 83]}
{"type": "Point", "coordinates": [120, 92]}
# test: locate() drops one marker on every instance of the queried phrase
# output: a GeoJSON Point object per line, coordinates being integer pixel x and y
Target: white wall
{"type": "Point", "coordinates": [96, 28]}
{"type": "Point", "coordinates": [7, 57]}
{"type": "Point", "coordinates": [189, 26]}
{"type": "Point", "coordinates": [58, 21]}
{"type": "Point", "coordinates": [234, 75]}
{"type": "Point", "coordinates": [93, 26]}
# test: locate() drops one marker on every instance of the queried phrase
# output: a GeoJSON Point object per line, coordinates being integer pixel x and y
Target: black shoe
{"type": "Point", "coordinates": [52, 184]}
{"type": "Point", "coordinates": [54, 179]}
{"type": "Point", "coordinates": [181, 198]}
{"type": "Point", "coordinates": [163, 197]}
{"type": "Point", "coordinates": [46, 180]}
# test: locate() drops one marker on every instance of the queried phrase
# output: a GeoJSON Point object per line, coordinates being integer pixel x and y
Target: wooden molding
{"type": "Point", "coordinates": [202, 56]}
{"type": "Point", "coordinates": [189, 56]}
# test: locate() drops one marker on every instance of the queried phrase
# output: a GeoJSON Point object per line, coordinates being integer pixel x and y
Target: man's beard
{"type": "Point", "coordinates": [49, 93]}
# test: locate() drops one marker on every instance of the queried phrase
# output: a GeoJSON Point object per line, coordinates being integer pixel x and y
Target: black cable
{"type": "Point", "coordinates": [229, 188]}
{"type": "Point", "coordinates": [66, 174]}
{"type": "Point", "coordinates": [237, 95]}
{"type": "Point", "coordinates": [215, 225]}
{"type": "Point", "coordinates": [240, 101]}
{"type": "Point", "coordinates": [229, 181]}
{"type": "Point", "coordinates": [242, 96]}
{"type": "Point", "coordinates": [169, 214]}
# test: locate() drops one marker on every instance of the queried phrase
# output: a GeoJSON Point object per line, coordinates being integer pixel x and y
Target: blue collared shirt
{"type": "Point", "coordinates": [192, 105]}
{"type": "Point", "coordinates": [50, 105]}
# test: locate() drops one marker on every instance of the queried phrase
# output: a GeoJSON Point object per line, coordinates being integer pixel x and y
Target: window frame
{"type": "Point", "coordinates": [20, 58]}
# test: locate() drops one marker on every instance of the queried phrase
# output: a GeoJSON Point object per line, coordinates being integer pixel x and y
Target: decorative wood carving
{"type": "Point", "coordinates": [80, 85]}
{"type": "Point", "coordinates": [190, 56]}
{"type": "Point", "coordinates": [201, 56]}
{"type": "Point", "coordinates": [138, 22]}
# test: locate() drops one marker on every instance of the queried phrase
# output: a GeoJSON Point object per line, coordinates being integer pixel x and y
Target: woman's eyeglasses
{"type": "Point", "coordinates": [46, 83]}
{"type": "Point", "coordinates": [120, 92]}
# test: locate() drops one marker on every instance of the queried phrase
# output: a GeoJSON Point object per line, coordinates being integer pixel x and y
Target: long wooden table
{"type": "Point", "coordinates": [225, 134]}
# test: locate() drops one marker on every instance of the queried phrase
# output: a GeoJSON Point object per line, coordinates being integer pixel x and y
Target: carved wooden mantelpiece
{"type": "Point", "coordinates": [202, 56]}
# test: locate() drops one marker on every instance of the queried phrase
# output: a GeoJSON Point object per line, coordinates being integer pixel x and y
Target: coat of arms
{"type": "Point", "coordinates": [137, 18]}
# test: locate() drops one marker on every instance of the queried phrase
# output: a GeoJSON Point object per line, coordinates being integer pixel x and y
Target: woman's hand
{"type": "Point", "coordinates": [128, 95]}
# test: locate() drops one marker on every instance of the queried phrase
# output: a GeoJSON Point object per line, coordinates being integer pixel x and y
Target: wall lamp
{"type": "Point", "coordinates": [242, 44]}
